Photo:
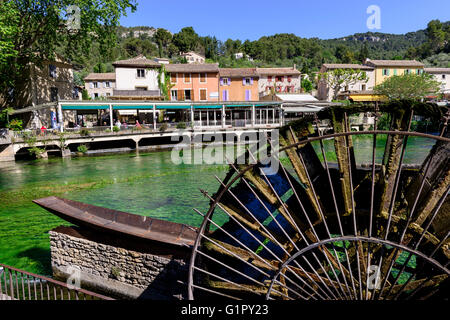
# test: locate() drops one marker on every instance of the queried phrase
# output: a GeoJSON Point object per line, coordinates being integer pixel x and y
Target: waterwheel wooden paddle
{"type": "Point", "coordinates": [318, 229]}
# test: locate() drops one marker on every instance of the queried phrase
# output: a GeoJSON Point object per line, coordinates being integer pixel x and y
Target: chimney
{"type": "Point", "coordinates": [295, 66]}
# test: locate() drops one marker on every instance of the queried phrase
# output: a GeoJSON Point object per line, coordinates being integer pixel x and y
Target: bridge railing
{"type": "Point", "coordinates": [17, 284]}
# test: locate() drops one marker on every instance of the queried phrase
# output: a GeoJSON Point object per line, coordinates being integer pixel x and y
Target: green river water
{"type": "Point", "coordinates": [146, 184]}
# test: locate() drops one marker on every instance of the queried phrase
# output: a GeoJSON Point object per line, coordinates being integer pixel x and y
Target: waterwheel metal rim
{"type": "Point", "coordinates": [240, 174]}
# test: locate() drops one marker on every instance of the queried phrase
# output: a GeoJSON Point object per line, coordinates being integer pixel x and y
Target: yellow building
{"type": "Point", "coordinates": [388, 68]}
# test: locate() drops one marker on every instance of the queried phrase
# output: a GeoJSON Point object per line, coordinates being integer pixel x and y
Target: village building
{"type": "Point", "coordinates": [361, 87]}
{"type": "Point", "coordinates": [443, 76]}
{"type": "Point", "coordinates": [137, 78]}
{"type": "Point", "coordinates": [193, 57]}
{"type": "Point", "coordinates": [100, 85]}
{"type": "Point", "coordinates": [194, 82]}
{"type": "Point", "coordinates": [238, 84]}
{"type": "Point", "coordinates": [278, 80]}
{"type": "Point", "coordinates": [49, 82]}
{"type": "Point", "coordinates": [384, 69]}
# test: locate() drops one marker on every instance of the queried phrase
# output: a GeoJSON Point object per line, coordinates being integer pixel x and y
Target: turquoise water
{"type": "Point", "coordinates": [147, 184]}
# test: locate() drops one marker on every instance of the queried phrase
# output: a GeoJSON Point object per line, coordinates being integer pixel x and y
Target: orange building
{"type": "Point", "coordinates": [238, 84]}
{"type": "Point", "coordinates": [194, 82]}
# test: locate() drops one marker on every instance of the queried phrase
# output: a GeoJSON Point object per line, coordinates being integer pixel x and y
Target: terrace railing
{"type": "Point", "coordinates": [17, 284]}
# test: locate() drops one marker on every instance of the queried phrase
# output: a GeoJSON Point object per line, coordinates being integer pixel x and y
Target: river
{"type": "Point", "coordinates": [146, 184]}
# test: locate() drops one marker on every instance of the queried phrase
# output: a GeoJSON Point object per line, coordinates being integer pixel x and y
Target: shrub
{"type": "Point", "coordinates": [82, 148]}
{"type": "Point", "coordinates": [181, 125]}
{"type": "Point", "coordinates": [108, 130]}
{"type": "Point", "coordinates": [85, 132]}
{"type": "Point", "coordinates": [116, 129]}
{"type": "Point", "coordinates": [16, 125]}
{"type": "Point", "coordinates": [163, 127]}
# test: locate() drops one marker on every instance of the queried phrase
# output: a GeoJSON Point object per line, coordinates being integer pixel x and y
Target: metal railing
{"type": "Point", "coordinates": [17, 284]}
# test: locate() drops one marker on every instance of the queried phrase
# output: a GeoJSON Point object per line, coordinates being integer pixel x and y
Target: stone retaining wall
{"type": "Point", "coordinates": [124, 269]}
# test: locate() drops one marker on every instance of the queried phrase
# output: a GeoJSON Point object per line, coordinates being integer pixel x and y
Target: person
{"type": "Point", "coordinates": [118, 124]}
{"type": "Point", "coordinates": [138, 125]}
{"type": "Point", "coordinates": [43, 129]}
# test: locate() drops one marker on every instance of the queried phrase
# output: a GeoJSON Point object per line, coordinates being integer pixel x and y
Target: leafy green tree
{"type": "Point", "coordinates": [32, 31]}
{"type": "Point", "coordinates": [344, 54]}
{"type": "Point", "coordinates": [186, 40]}
{"type": "Point", "coordinates": [408, 87]}
{"type": "Point", "coordinates": [307, 85]}
{"type": "Point", "coordinates": [338, 79]}
{"type": "Point", "coordinates": [363, 53]}
{"type": "Point", "coordinates": [163, 38]}
{"type": "Point", "coordinates": [436, 35]}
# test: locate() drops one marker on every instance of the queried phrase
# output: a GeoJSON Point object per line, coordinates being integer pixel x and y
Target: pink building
{"type": "Point", "coordinates": [194, 82]}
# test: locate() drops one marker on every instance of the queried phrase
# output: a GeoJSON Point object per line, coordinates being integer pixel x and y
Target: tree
{"type": "Point", "coordinates": [163, 38]}
{"type": "Point", "coordinates": [32, 31]}
{"type": "Point", "coordinates": [344, 54]}
{"type": "Point", "coordinates": [186, 40]}
{"type": "Point", "coordinates": [307, 85]}
{"type": "Point", "coordinates": [338, 79]}
{"type": "Point", "coordinates": [408, 87]}
{"type": "Point", "coordinates": [363, 53]}
{"type": "Point", "coordinates": [436, 35]}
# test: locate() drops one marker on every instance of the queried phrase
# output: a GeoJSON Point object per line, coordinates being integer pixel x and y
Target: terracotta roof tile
{"type": "Point", "coordinates": [238, 72]}
{"type": "Point", "coordinates": [209, 67]}
{"type": "Point", "coordinates": [394, 63]}
{"type": "Point", "coordinates": [139, 61]}
{"type": "Point", "coordinates": [100, 77]}
{"type": "Point", "coordinates": [278, 71]}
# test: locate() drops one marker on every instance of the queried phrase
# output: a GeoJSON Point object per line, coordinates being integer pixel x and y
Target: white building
{"type": "Point", "coordinates": [193, 57]}
{"type": "Point", "coordinates": [442, 75]}
{"type": "Point", "coordinates": [100, 85]}
{"type": "Point", "coordinates": [137, 77]}
{"type": "Point", "coordinates": [278, 80]}
{"type": "Point", "coordinates": [324, 92]}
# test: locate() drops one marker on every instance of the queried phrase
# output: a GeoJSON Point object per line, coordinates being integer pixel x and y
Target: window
{"type": "Point", "coordinates": [395, 72]}
{"type": "Point", "coordinates": [107, 84]}
{"type": "Point", "coordinates": [279, 79]}
{"type": "Point", "coordinates": [363, 87]}
{"type": "Point", "coordinates": [95, 85]}
{"type": "Point", "coordinates": [407, 71]}
{"type": "Point", "coordinates": [187, 78]}
{"type": "Point", "coordinates": [290, 89]}
{"type": "Point", "coordinates": [173, 78]}
{"type": "Point", "coordinates": [187, 95]}
{"type": "Point", "coordinates": [141, 73]}
{"type": "Point", "coordinates": [225, 81]}
{"type": "Point", "coordinates": [95, 95]}
{"type": "Point", "coordinates": [385, 72]}
{"type": "Point", "coordinates": [108, 94]}
{"type": "Point", "coordinates": [248, 95]}
{"type": "Point", "coordinates": [269, 78]}
{"type": "Point", "coordinates": [141, 88]}
{"type": "Point", "coordinates": [289, 78]}
{"type": "Point", "coordinates": [202, 77]}
{"type": "Point", "coordinates": [225, 95]}
{"type": "Point", "coordinates": [52, 71]}
{"type": "Point", "coordinates": [53, 94]}
{"type": "Point", "coordinates": [443, 77]}
{"type": "Point", "coordinates": [203, 96]}
{"type": "Point", "coordinates": [247, 81]}
{"type": "Point", "coordinates": [419, 71]}
{"type": "Point", "coordinates": [174, 95]}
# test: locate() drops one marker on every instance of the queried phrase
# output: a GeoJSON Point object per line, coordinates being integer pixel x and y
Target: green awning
{"type": "Point", "coordinates": [86, 107]}
{"type": "Point", "coordinates": [132, 107]}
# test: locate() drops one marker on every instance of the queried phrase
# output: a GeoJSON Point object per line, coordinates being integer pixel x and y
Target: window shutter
{"type": "Point", "coordinates": [247, 95]}
{"type": "Point", "coordinates": [221, 81]}
{"type": "Point", "coordinates": [91, 85]}
{"type": "Point", "coordinates": [251, 81]}
{"type": "Point", "coordinates": [243, 81]}
{"type": "Point", "coordinates": [229, 81]}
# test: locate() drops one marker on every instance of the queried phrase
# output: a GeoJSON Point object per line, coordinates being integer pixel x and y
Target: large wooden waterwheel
{"type": "Point", "coordinates": [324, 227]}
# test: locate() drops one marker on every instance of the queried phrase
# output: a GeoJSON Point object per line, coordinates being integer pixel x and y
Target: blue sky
{"type": "Point", "coordinates": [251, 19]}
